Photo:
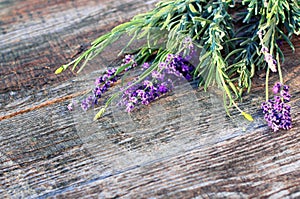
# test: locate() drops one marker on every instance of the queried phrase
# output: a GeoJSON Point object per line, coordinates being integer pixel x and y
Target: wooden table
{"type": "Point", "coordinates": [182, 146]}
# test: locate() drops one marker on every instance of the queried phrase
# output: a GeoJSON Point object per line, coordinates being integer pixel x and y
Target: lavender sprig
{"type": "Point", "coordinates": [277, 111]}
{"type": "Point", "coordinates": [271, 62]}
{"type": "Point", "coordinates": [159, 83]}
{"type": "Point", "coordinates": [104, 82]}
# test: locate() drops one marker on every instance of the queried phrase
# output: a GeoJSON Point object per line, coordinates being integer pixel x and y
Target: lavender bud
{"type": "Point", "coordinates": [276, 87]}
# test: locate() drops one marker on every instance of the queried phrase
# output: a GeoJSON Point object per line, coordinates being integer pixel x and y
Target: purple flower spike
{"type": "Point", "coordinates": [277, 112]}
{"type": "Point", "coordinates": [188, 77]}
{"type": "Point", "coordinates": [140, 93]}
{"type": "Point", "coordinates": [268, 56]}
{"type": "Point", "coordinates": [129, 107]}
{"type": "Point", "coordinates": [277, 87]}
{"type": "Point", "coordinates": [277, 99]}
{"type": "Point", "coordinates": [157, 75]}
{"type": "Point", "coordinates": [285, 88]}
{"type": "Point", "coordinates": [264, 49]}
{"type": "Point", "coordinates": [285, 95]}
{"type": "Point", "coordinates": [133, 100]}
{"type": "Point", "coordinates": [163, 88]}
{"type": "Point", "coordinates": [188, 44]}
{"type": "Point", "coordinates": [145, 65]}
{"type": "Point", "coordinates": [102, 84]}
{"type": "Point", "coordinates": [111, 72]}
{"type": "Point", "coordinates": [70, 106]}
{"type": "Point", "coordinates": [129, 59]}
{"type": "Point", "coordinates": [148, 83]}
{"type": "Point", "coordinates": [149, 89]}
{"type": "Point", "coordinates": [84, 105]}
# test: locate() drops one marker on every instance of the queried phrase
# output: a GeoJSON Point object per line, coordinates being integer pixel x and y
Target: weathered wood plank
{"type": "Point", "coordinates": [52, 152]}
{"type": "Point", "coordinates": [240, 168]}
{"type": "Point", "coordinates": [182, 146]}
{"type": "Point", "coordinates": [29, 56]}
{"type": "Point", "coordinates": [35, 40]}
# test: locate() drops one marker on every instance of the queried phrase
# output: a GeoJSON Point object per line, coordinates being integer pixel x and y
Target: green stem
{"type": "Point", "coordinates": [236, 106]}
{"type": "Point", "coordinates": [246, 115]}
{"type": "Point", "coordinates": [267, 83]}
{"type": "Point", "coordinates": [279, 68]}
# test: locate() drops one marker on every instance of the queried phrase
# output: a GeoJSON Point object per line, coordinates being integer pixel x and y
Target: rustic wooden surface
{"type": "Point", "coordinates": [179, 147]}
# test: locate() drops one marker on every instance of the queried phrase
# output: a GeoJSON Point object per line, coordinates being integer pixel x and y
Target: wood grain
{"type": "Point", "coordinates": [35, 41]}
{"type": "Point", "coordinates": [182, 146]}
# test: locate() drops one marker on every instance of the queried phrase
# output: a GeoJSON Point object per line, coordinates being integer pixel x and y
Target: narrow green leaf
{"type": "Point", "coordinates": [193, 9]}
{"type": "Point", "coordinates": [286, 39]}
{"type": "Point", "coordinates": [59, 70]}
{"type": "Point", "coordinates": [247, 116]}
{"type": "Point", "coordinates": [122, 27]}
{"type": "Point", "coordinates": [241, 50]}
{"type": "Point", "coordinates": [101, 39]}
{"type": "Point", "coordinates": [122, 68]}
{"type": "Point", "coordinates": [166, 23]}
{"type": "Point", "coordinates": [100, 113]}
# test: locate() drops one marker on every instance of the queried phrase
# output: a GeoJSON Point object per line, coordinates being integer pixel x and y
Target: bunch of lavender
{"type": "Point", "coordinates": [277, 111]}
{"type": "Point", "coordinates": [236, 38]}
{"type": "Point", "coordinates": [161, 81]}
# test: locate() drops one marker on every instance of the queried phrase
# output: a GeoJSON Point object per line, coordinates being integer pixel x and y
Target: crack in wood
{"type": "Point", "coordinates": [47, 103]}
